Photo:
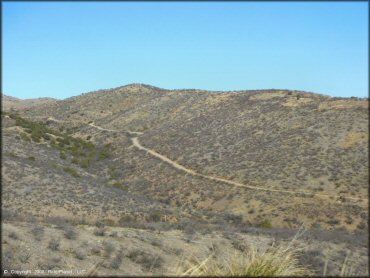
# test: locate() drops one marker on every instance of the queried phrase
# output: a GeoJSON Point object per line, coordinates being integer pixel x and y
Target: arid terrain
{"type": "Point", "coordinates": [135, 180]}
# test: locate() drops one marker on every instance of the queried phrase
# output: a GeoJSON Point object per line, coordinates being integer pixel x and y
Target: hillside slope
{"type": "Point", "coordinates": [284, 140]}
{"type": "Point", "coordinates": [255, 162]}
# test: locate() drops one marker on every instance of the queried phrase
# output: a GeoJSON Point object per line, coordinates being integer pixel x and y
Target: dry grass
{"type": "Point", "coordinates": [275, 261]}
{"type": "Point", "coordinates": [352, 138]}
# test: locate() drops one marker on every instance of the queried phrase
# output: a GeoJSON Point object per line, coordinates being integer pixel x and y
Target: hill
{"type": "Point", "coordinates": [138, 156]}
{"type": "Point", "coordinates": [12, 103]}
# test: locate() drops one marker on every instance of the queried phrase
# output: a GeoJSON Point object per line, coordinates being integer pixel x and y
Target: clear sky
{"type": "Point", "coordinates": [61, 49]}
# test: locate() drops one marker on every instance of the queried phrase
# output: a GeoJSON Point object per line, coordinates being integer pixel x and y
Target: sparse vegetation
{"type": "Point", "coordinates": [151, 212]}
{"type": "Point", "coordinates": [100, 231]}
{"type": "Point", "coordinates": [38, 232]}
{"type": "Point", "coordinates": [108, 248]}
{"type": "Point", "coordinates": [54, 244]}
{"type": "Point", "coordinates": [117, 260]}
{"type": "Point", "coordinates": [148, 261]}
{"type": "Point", "coordinates": [70, 232]}
{"type": "Point", "coordinates": [71, 171]}
{"type": "Point", "coordinates": [265, 224]}
{"type": "Point", "coordinates": [83, 151]}
{"type": "Point", "coordinates": [24, 257]}
{"type": "Point", "coordinates": [13, 235]}
{"type": "Point", "coordinates": [275, 262]}
{"type": "Point", "coordinates": [79, 254]}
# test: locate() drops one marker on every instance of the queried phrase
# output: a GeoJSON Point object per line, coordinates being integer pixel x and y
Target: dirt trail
{"type": "Point", "coordinates": [136, 143]}
{"type": "Point", "coordinates": [112, 130]}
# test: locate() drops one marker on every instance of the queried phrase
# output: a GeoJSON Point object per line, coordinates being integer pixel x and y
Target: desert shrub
{"type": "Point", "coordinates": [7, 260]}
{"type": "Point", "coordinates": [46, 136]}
{"type": "Point", "coordinates": [148, 261]}
{"type": "Point", "coordinates": [278, 261]}
{"type": "Point", "coordinates": [105, 222]}
{"type": "Point", "coordinates": [117, 184]}
{"type": "Point", "coordinates": [154, 216]}
{"type": "Point", "coordinates": [333, 221]}
{"type": "Point", "coordinates": [100, 231]}
{"type": "Point", "coordinates": [85, 163]}
{"type": "Point", "coordinates": [312, 258]}
{"type": "Point", "coordinates": [54, 244]}
{"type": "Point", "coordinates": [25, 137]}
{"type": "Point", "coordinates": [238, 244]}
{"type": "Point", "coordinates": [25, 256]}
{"type": "Point", "coordinates": [108, 248]}
{"type": "Point", "coordinates": [108, 222]}
{"type": "Point", "coordinates": [362, 225]}
{"type": "Point", "coordinates": [113, 234]}
{"type": "Point", "coordinates": [50, 263]}
{"type": "Point", "coordinates": [95, 250]}
{"type": "Point", "coordinates": [232, 218]}
{"type": "Point", "coordinates": [188, 227]}
{"type": "Point", "coordinates": [105, 152]}
{"type": "Point", "coordinates": [100, 224]}
{"type": "Point", "coordinates": [265, 224]}
{"type": "Point", "coordinates": [70, 232]}
{"type": "Point", "coordinates": [125, 219]}
{"type": "Point", "coordinates": [58, 221]}
{"type": "Point", "coordinates": [175, 251]}
{"type": "Point", "coordinates": [7, 215]}
{"type": "Point", "coordinates": [35, 136]}
{"type": "Point", "coordinates": [79, 254]}
{"type": "Point", "coordinates": [36, 130]}
{"type": "Point", "coordinates": [71, 171]}
{"type": "Point", "coordinates": [349, 220]}
{"type": "Point", "coordinates": [113, 173]}
{"type": "Point", "coordinates": [13, 235]}
{"type": "Point", "coordinates": [38, 232]}
{"type": "Point", "coordinates": [156, 242]}
{"type": "Point", "coordinates": [64, 142]}
{"type": "Point", "coordinates": [62, 155]}
{"type": "Point", "coordinates": [117, 260]}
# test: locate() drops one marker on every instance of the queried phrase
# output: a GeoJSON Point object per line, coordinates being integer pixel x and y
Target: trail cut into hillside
{"type": "Point", "coordinates": [136, 143]}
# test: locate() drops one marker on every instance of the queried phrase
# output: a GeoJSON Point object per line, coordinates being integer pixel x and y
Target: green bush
{"type": "Point", "coordinates": [154, 216]}
{"type": "Point", "coordinates": [46, 136]}
{"type": "Point", "coordinates": [25, 137]}
{"type": "Point", "coordinates": [103, 154]}
{"type": "Point", "coordinates": [64, 142]}
{"type": "Point", "coordinates": [84, 163]}
{"type": "Point", "coordinates": [113, 173]}
{"type": "Point", "coordinates": [265, 224]}
{"type": "Point", "coordinates": [71, 171]}
{"type": "Point", "coordinates": [62, 155]}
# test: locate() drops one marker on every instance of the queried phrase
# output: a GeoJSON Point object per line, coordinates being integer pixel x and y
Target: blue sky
{"type": "Point", "coordinates": [61, 49]}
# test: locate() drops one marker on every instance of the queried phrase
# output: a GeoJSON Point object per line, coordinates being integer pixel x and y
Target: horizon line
{"type": "Point", "coordinates": [186, 89]}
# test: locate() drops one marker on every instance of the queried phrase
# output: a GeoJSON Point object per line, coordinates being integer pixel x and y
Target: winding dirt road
{"type": "Point", "coordinates": [136, 143]}
{"type": "Point", "coordinates": [112, 130]}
